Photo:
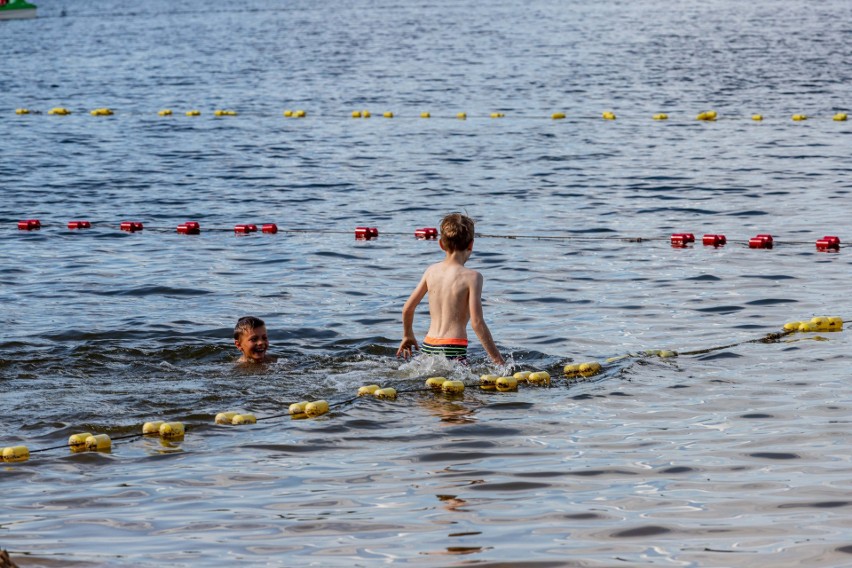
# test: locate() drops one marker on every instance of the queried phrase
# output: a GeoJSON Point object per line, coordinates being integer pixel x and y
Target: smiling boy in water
{"type": "Point", "coordinates": [251, 339]}
{"type": "Point", "coordinates": [455, 298]}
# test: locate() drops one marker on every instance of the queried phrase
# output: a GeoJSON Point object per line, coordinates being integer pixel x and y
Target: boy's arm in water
{"type": "Point", "coordinates": [477, 321]}
{"type": "Point", "coordinates": [409, 342]}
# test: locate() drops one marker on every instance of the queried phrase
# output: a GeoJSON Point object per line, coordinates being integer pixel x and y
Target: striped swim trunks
{"type": "Point", "coordinates": [449, 348]}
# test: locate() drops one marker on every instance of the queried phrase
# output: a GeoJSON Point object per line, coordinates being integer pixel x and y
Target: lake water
{"type": "Point", "coordinates": [735, 456]}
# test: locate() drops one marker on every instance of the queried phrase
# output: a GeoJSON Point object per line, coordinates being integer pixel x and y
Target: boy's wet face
{"type": "Point", "coordinates": [254, 344]}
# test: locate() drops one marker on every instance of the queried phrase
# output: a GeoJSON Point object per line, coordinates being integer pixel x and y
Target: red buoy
{"type": "Point", "coordinates": [79, 225]}
{"type": "Point", "coordinates": [761, 241]}
{"type": "Point", "coordinates": [245, 228]}
{"type": "Point", "coordinates": [680, 240]}
{"type": "Point", "coordinates": [131, 226]}
{"type": "Point", "coordinates": [29, 225]}
{"type": "Point", "coordinates": [828, 242]}
{"type": "Point", "coordinates": [366, 233]}
{"type": "Point", "coordinates": [426, 233]}
{"type": "Point", "coordinates": [714, 240]}
{"type": "Point", "coordinates": [189, 228]}
{"type": "Point", "coordinates": [271, 228]}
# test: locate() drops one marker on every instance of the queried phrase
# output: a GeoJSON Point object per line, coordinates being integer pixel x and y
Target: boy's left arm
{"type": "Point", "coordinates": [477, 321]}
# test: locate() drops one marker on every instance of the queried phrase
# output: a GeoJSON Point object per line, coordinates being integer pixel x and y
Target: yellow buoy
{"type": "Point", "coordinates": [840, 117]}
{"type": "Point", "coordinates": [425, 115]}
{"type": "Point", "coordinates": [367, 390]}
{"type": "Point", "coordinates": [799, 117]}
{"type": "Point", "coordinates": [59, 111]}
{"type": "Point", "coordinates": [300, 114]}
{"type": "Point", "coordinates": [435, 382]}
{"type": "Point", "coordinates": [572, 370]}
{"type": "Point", "coordinates": [386, 393]}
{"type": "Point", "coordinates": [244, 419]}
{"type": "Point", "coordinates": [792, 326]}
{"type": "Point", "coordinates": [356, 114]}
{"type": "Point", "coordinates": [590, 369]}
{"type": "Point", "coordinates": [16, 454]}
{"type": "Point", "coordinates": [708, 115]}
{"type": "Point", "coordinates": [557, 115]}
{"type": "Point", "coordinates": [666, 354]}
{"type": "Point", "coordinates": [505, 384]}
{"type": "Point", "coordinates": [462, 116]}
{"type": "Point", "coordinates": [661, 116]}
{"type": "Point", "coordinates": [539, 378]}
{"type": "Point", "coordinates": [835, 322]}
{"type": "Point", "coordinates": [821, 323]}
{"type": "Point", "coordinates": [193, 113]}
{"type": "Point", "coordinates": [522, 376]}
{"type": "Point", "coordinates": [152, 428]}
{"type": "Point", "coordinates": [78, 441]}
{"type": "Point", "coordinates": [808, 327]}
{"type": "Point", "coordinates": [452, 387]}
{"type": "Point", "coordinates": [298, 407]}
{"type": "Point", "coordinates": [316, 408]}
{"type": "Point", "coordinates": [288, 113]}
{"type": "Point", "coordinates": [365, 114]}
{"type": "Point", "coordinates": [101, 112]}
{"type": "Point", "coordinates": [388, 114]}
{"type": "Point", "coordinates": [27, 111]}
{"type": "Point", "coordinates": [165, 112]}
{"type": "Point", "coordinates": [220, 112]}
{"type": "Point", "coordinates": [98, 443]}
{"type": "Point", "coordinates": [608, 115]}
{"type": "Point", "coordinates": [757, 117]}
{"type": "Point", "coordinates": [488, 380]}
{"type": "Point", "coordinates": [226, 417]}
{"type": "Point", "coordinates": [173, 429]}
{"type": "Point", "coordinates": [497, 115]}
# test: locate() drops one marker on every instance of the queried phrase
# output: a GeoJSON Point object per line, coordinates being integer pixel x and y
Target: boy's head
{"type": "Point", "coordinates": [251, 339]}
{"type": "Point", "coordinates": [456, 232]}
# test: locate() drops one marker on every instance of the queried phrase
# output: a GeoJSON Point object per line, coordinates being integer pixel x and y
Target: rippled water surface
{"type": "Point", "coordinates": [734, 453]}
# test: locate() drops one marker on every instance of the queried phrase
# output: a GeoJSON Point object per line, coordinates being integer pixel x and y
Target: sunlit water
{"type": "Point", "coordinates": [734, 457]}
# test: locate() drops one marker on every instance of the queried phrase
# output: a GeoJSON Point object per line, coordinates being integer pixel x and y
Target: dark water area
{"type": "Point", "coordinates": [734, 453]}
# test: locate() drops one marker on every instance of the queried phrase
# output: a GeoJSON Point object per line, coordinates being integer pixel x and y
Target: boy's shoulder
{"type": "Point", "coordinates": [459, 272]}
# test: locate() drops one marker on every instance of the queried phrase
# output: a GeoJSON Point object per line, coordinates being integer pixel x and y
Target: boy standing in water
{"type": "Point", "coordinates": [251, 339]}
{"type": "Point", "coordinates": [455, 297]}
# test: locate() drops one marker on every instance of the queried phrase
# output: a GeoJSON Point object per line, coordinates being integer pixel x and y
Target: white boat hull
{"type": "Point", "coordinates": [22, 14]}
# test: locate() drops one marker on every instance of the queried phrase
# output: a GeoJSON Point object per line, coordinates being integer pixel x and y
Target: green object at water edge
{"type": "Point", "coordinates": [14, 9]}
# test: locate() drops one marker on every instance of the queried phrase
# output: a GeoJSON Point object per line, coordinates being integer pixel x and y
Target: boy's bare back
{"type": "Point", "coordinates": [455, 297]}
{"type": "Point", "coordinates": [451, 286]}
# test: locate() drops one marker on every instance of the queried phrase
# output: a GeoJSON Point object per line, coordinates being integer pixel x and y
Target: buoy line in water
{"type": "Point", "coordinates": [828, 243]}
{"type": "Point", "coordinates": [705, 116]}
{"type": "Point", "coordinates": [573, 372]}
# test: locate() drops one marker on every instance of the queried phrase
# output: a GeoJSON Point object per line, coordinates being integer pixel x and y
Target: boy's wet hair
{"type": "Point", "coordinates": [456, 232]}
{"type": "Point", "coordinates": [245, 324]}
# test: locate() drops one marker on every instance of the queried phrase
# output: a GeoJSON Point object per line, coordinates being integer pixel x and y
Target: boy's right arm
{"type": "Point", "coordinates": [409, 341]}
{"type": "Point", "coordinates": [477, 321]}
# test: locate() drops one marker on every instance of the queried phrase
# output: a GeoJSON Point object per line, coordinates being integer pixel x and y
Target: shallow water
{"type": "Point", "coordinates": [731, 457]}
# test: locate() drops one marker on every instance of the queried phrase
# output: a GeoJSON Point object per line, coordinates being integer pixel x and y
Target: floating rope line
{"type": "Point", "coordinates": [127, 437]}
{"type": "Point", "coordinates": [224, 113]}
{"type": "Point", "coordinates": [828, 243]}
{"type": "Point", "coordinates": [768, 338]}
{"type": "Point", "coordinates": [175, 431]}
